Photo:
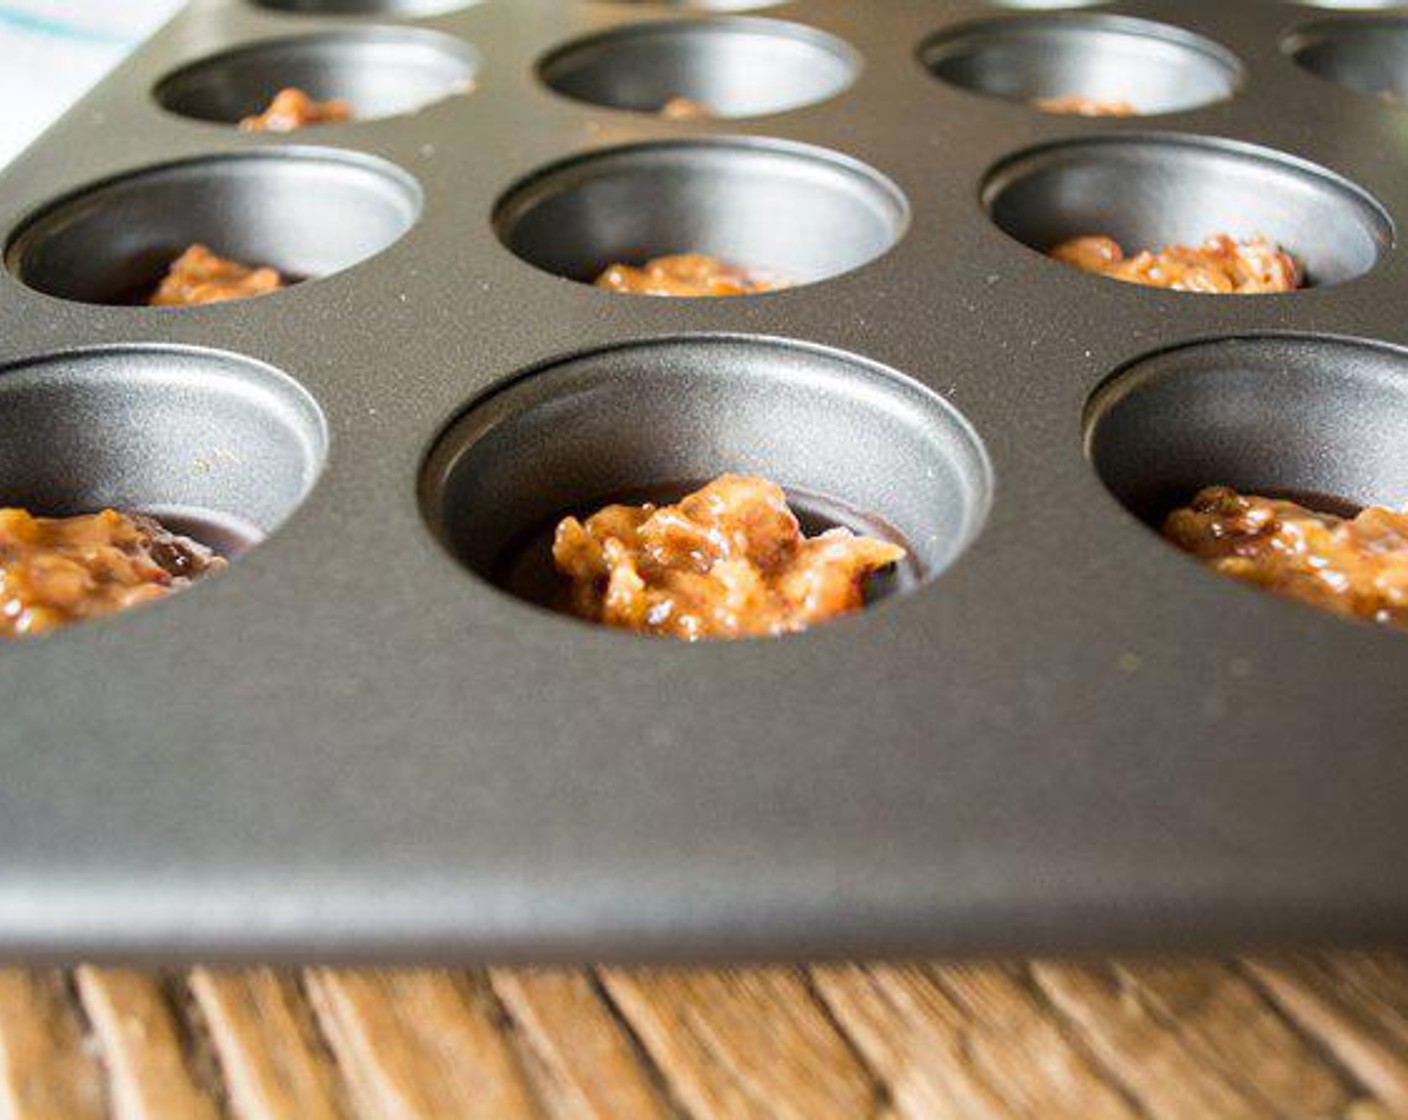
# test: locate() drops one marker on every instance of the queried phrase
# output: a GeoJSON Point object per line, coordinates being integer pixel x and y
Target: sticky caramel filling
{"type": "Point", "coordinates": [1073, 105]}
{"type": "Point", "coordinates": [1354, 566]}
{"type": "Point", "coordinates": [728, 561]}
{"type": "Point", "coordinates": [686, 274]}
{"type": "Point", "coordinates": [198, 277]}
{"type": "Point", "coordinates": [55, 571]}
{"type": "Point", "coordinates": [1220, 265]}
{"type": "Point", "coordinates": [293, 109]}
{"type": "Point", "coordinates": [685, 109]}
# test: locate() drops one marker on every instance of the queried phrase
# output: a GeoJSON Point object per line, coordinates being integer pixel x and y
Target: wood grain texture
{"type": "Point", "coordinates": [45, 1071]}
{"type": "Point", "coordinates": [1215, 1015]}
{"type": "Point", "coordinates": [1180, 1038]}
{"type": "Point", "coordinates": [581, 1059]}
{"type": "Point", "coordinates": [1300, 1036]}
{"type": "Point", "coordinates": [420, 1045]}
{"type": "Point", "coordinates": [966, 1041]}
{"type": "Point", "coordinates": [1356, 1008]}
{"type": "Point", "coordinates": [269, 1054]}
{"type": "Point", "coordinates": [745, 1044]}
{"type": "Point", "coordinates": [152, 1073]}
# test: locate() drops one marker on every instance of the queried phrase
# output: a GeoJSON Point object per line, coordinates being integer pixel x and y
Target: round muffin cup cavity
{"type": "Point", "coordinates": [404, 9]}
{"type": "Point", "coordinates": [707, 5]}
{"type": "Point", "coordinates": [1048, 5]}
{"type": "Point", "coordinates": [1151, 67]}
{"type": "Point", "coordinates": [380, 72]}
{"type": "Point", "coordinates": [1365, 56]}
{"type": "Point", "coordinates": [756, 204]}
{"type": "Point", "coordinates": [1352, 5]}
{"type": "Point", "coordinates": [216, 446]}
{"type": "Point", "coordinates": [1169, 424]}
{"type": "Point", "coordinates": [729, 67]}
{"type": "Point", "coordinates": [853, 444]}
{"type": "Point", "coordinates": [1150, 191]}
{"type": "Point", "coordinates": [308, 214]}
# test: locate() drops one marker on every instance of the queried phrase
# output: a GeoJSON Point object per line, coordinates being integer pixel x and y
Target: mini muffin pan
{"type": "Point", "coordinates": [1050, 732]}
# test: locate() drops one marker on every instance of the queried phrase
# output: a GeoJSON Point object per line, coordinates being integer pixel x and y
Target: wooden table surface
{"type": "Point", "coordinates": [1294, 1036]}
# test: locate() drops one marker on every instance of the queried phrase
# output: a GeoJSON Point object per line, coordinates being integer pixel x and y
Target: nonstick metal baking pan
{"type": "Point", "coordinates": [1055, 733]}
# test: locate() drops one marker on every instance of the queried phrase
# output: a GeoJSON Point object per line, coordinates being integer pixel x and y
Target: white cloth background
{"type": "Point", "coordinates": [52, 51]}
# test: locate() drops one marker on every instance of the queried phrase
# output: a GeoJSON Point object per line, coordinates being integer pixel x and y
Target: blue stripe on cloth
{"type": "Point", "coordinates": [58, 29]}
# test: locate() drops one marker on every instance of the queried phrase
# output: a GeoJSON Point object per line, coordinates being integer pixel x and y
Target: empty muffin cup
{"type": "Point", "coordinates": [1146, 192]}
{"type": "Point", "coordinates": [216, 446]}
{"type": "Point", "coordinates": [1130, 66]}
{"type": "Point", "coordinates": [1367, 56]}
{"type": "Point", "coordinates": [724, 67]}
{"type": "Point", "coordinates": [308, 214]}
{"type": "Point", "coordinates": [378, 72]}
{"type": "Point", "coordinates": [853, 444]}
{"type": "Point", "coordinates": [760, 205]}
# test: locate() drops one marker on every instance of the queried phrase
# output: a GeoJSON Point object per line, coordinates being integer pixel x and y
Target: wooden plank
{"type": "Point", "coordinates": [419, 1044]}
{"type": "Point", "coordinates": [268, 1050]}
{"type": "Point", "coordinates": [581, 1061]}
{"type": "Point", "coordinates": [1383, 974]}
{"type": "Point", "coordinates": [1192, 1041]}
{"type": "Point", "coordinates": [743, 1044]}
{"type": "Point", "coordinates": [45, 1072]}
{"type": "Point", "coordinates": [1303, 1035]}
{"type": "Point", "coordinates": [1355, 1006]}
{"type": "Point", "coordinates": [961, 1041]}
{"type": "Point", "coordinates": [1224, 1024]}
{"type": "Point", "coordinates": [151, 1074]}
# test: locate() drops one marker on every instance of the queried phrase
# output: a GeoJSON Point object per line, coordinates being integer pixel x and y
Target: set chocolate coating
{"type": "Point", "coordinates": [1062, 734]}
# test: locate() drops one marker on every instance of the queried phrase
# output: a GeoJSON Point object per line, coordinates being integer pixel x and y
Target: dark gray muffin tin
{"type": "Point", "coordinates": [1055, 733]}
